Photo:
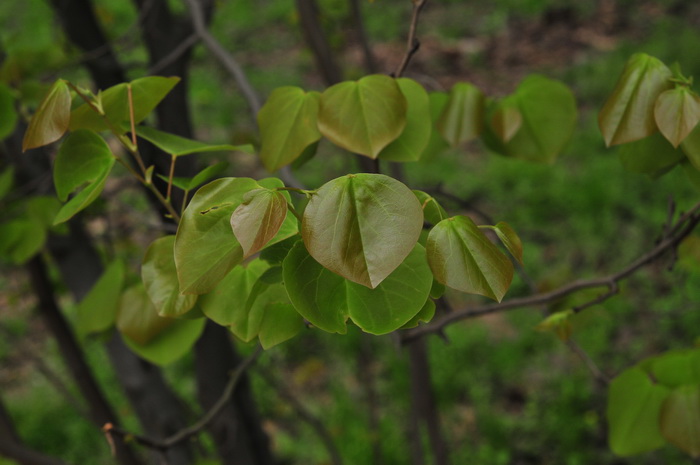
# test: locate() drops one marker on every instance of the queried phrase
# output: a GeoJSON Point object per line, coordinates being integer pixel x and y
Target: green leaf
{"type": "Point", "coordinates": [82, 200]}
{"type": "Point", "coordinates": [137, 318]}
{"type": "Point", "coordinates": [178, 146]}
{"type": "Point", "coordinates": [634, 406]}
{"type": "Point", "coordinates": [98, 310]}
{"type": "Point", "coordinates": [280, 323]}
{"type": "Point", "coordinates": [6, 180]}
{"type": "Point", "coordinates": [463, 258]}
{"type": "Point", "coordinates": [83, 158]}
{"type": "Point", "coordinates": [691, 147]}
{"type": "Point", "coordinates": [205, 247]}
{"type": "Point", "coordinates": [628, 114]}
{"type": "Point", "coordinates": [506, 120]}
{"type": "Point", "coordinates": [677, 112]}
{"type": "Point", "coordinates": [510, 240]}
{"type": "Point", "coordinates": [287, 126]}
{"type": "Point", "coordinates": [559, 323]}
{"type": "Point", "coordinates": [43, 210]}
{"type": "Point", "coordinates": [147, 93]}
{"type": "Point", "coordinates": [326, 300]}
{"type": "Point", "coordinates": [188, 184]}
{"type": "Point", "coordinates": [290, 226]}
{"type": "Point", "coordinates": [227, 301]}
{"type": "Point", "coordinates": [416, 135]}
{"type": "Point", "coordinates": [549, 115]}
{"type": "Point", "coordinates": [258, 219]}
{"type": "Point", "coordinates": [436, 143]}
{"type": "Point", "coordinates": [423, 316]}
{"type": "Point", "coordinates": [461, 119]}
{"type": "Point", "coordinates": [362, 226]}
{"type": "Point", "coordinates": [50, 121]}
{"type": "Point", "coordinates": [676, 368]}
{"type": "Point", "coordinates": [432, 210]}
{"type": "Point", "coordinates": [22, 238]}
{"type": "Point", "coordinates": [363, 116]}
{"type": "Point", "coordinates": [159, 277]}
{"type": "Point", "coordinates": [653, 155]}
{"type": "Point", "coordinates": [680, 419]}
{"type": "Point", "coordinates": [8, 114]}
{"type": "Point", "coordinates": [276, 253]}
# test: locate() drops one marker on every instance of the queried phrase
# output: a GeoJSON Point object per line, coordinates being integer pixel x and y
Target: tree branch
{"type": "Point", "coordinates": [682, 228]}
{"type": "Point", "coordinates": [413, 44]}
{"type": "Point", "coordinates": [198, 426]}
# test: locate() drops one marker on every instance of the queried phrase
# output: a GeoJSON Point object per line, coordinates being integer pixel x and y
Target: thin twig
{"type": "Point", "coordinates": [197, 427]}
{"type": "Point", "coordinates": [588, 361]}
{"type": "Point", "coordinates": [412, 44]}
{"type": "Point", "coordinates": [174, 54]}
{"type": "Point", "coordinates": [682, 228]}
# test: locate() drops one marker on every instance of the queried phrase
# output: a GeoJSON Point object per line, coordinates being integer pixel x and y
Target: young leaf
{"type": "Point", "coordinates": [258, 219]}
{"type": "Point", "coordinates": [362, 226]}
{"type": "Point", "coordinates": [558, 322]}
{"type": "Point", "coordinates": [178, 146]}
{"type": "Point", "coordinates": [51, 119]}
{"type": "Point", "coordinates": [510, 240]}
{"type": "Point", "coordinates": [146, 93]}
{"type": "Point", "coordinates": [634, 406]}
{"type": "Point", "coordinates": [98, 310]}
{"type": "Point", "coordinates": [680, 419]}
{"type": "Point", "coordinates": [159, 277]}
{"type": "Point", "coordinates": [432, 210]}
{"type": "Point", "coordinates": [82, 158]}
{"type": "Point", "coordinates": [653, 155]}
{"type": "Point", "coordinates": [363, 116]}
{"type": "Point", "coordinates": [287, 126]}
{"type": "Point", "coordinates": [326, 300]}
{"type": "Point", "coordinates": [205, 248]}
{"type": "Point", "coordinates": [461, 120]}
{"type": "Point", "coordinates": [628, 114]}
{"type": "Point", "coordinates": [463, 258]}
{"type": "Point", "coordinates": [416, 135]}
{"type": "Point", "coordinates": [8, 114]}
{"type": "Point", "coordinates": [677, 112]}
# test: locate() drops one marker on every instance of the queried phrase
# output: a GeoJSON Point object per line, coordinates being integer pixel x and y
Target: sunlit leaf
{"type": "Point", "coordinates": [288, 126]}
{"type": "Point", "coordinates": [8, 114]}
{"type": "Point", "coordinates": [258, 219]}
{"type": "Point", "coordinates": [628, 114]}
{"type": "Point", "coordinates": [463, 258]}
{"type": "Point", "coordinates": [677, 112]}
{"type": "Point", "coordinates": [50, 121]}
{"type": "Point", "coordinates": [462, 117]}
{"type": "Point", "coordinates": [327, 300]}
{"type": "Point", "coordinates": [159, 277]}
{"type": "Point", "coordinates": [362, 226]}
{"type": "Point", "coordinates": [98, 310]}
{"type": "Point", "coordinates": [416, 135]}
{"type": "Point", "coordinates": [147, 93]}
{"type": "Point", "coordinates": [363, 116]}
{"type": "Point", "coordinates": [176, 145]}
{"type": "Point", "coordinates": [680, 419]}
{"type": "Point", "coordinates": [205, 247]}
{"type": "Point", "coordinates": [83, 158]}
{"type": "Point", "coordinates": [634, 407]}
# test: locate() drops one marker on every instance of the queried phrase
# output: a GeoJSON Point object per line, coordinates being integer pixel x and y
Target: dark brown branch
{"type": "Point", "coordinates": [316, 40]}
{"type": "Point", "coordinates": [412, 43]}
{"type": "Point", "coordinates": [198, 426]}
{"type": "Point", "coordinates": [304, 415]}
{"type": "Point", "coordinates": [682, 228]}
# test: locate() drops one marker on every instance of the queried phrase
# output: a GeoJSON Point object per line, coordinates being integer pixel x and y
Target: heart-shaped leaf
{"type": "Point", "coordinates": [677, 112]}
{"type": "Point", "coordinates": [680, 419]}
{"type": "Point", "coordinates": [628, 114]}
{"type": "Point", "coordinates": [258, 219]}
{"type": "Point", "coordinates": [51, 119]}
{"type": "Point", "coordinates": [676, 368]}
{"type": "Point", "coordinates": [462, 117]}
{"type": "Point", "coordinates": [83, 158]}
{"type": "Point", "coordinates": [327, 300]}
{"type": "Point", "coordinates": [506, 120]}
{"type": "Point", "coordinates": [463, 258]}
{"type": "Point", "coordinates": [634, 406]}
{"type": "Point", "coordinates": [205, 247]}
{"type": "Point", "coordinates": [653, 155]}
{"type": "Point", "coordinates": [159, 277]}
{"type": "Point", "coordinates": [362, 226]}
{"type": "Point", "coordinates": [288, 126]}
{"type": "Point", "coordinates": [363, 116]}
{"type": "Point", "coordinates": [98, 309]}
{"type": "Point", "coordinates": [137, 319]}
{"type": "Point", "coordinates": [146, 94]}
{"type": "Point", "coordinates": [416, 135]}
{"type": "Point", "coordinates": [178, 146]}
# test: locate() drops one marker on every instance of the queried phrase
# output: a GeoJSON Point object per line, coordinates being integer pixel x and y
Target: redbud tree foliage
{"type": "Point", "coordinates": [267, 258]}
